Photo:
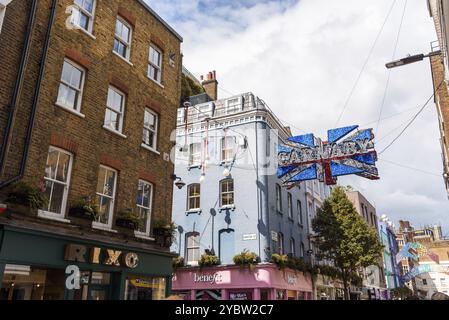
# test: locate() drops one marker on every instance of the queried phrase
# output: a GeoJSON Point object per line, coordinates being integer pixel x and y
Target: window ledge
{"type": "Point", "coordinates": [115, 131]}
{"type": "Point", "coordinates": [51, 216]}
{"type": "Point", "coordinates": [194, 211]}
{"type": "Point", "coordinates": [301, 225]}
{"type": "Point", "coordinates": [194, 166]}
{"type": "Point", "coordinates": [291, 219]}
{"type": "Point", "coordinates": [143, 145]}
{"type": "Point", "coordinates": [279, 212]}
{"type": "Point", "coordinates": [103, 227]}
{"type": "Point", "coordinates": [232, 207]}
{"type": "Point", "coordinates": [76, 113]}
{"type": "Point", "coordinates": [158, 83]}
{"type": "Point", "coordinates": [144, 236]}
{"type": "Point", "coordinates": [87, 33]}
{"type": "Point", "coordinates": [124, 59]}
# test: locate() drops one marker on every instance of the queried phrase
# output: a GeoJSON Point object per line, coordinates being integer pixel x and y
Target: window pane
{"type": "Point", "coordinates": [62, 94]}
{"type": "Point", "coordinates": [150, 120]}
{"type": "Point", "coordinates": [112, 120]}
{"type": "Point", "coordinates": [115, 100]}
{"type": "Point", "coordinates": [66, 72]}
{"type": "Point", "coordinates": [75, 77]}
{"type": "Point", "coordinates": [101, 178]}
{"type": "Point", "coordinates": [83, 21]}
{"type": "Point", "coordinates": [52, 162]}
{"type": "Point", "coordinates": [109, 187]}
{"type": "Point", "coordinates": [57, 196]}
{"type": "Point", "coordinates": [105, 205]}
{"type": "Point", "coordinates": [63, 167]}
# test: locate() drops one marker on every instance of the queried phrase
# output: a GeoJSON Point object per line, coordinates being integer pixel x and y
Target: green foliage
{"type": "Point", "coordinates": [178, 262]}
{"type": "Point", "coordinates": [343, 237]}
{"type": "Point", "coordinates": [280, 259]}
{"type": "Point", "coordinates": [246, 258]}
{"type": "Point", "coordinates": [208, 260]}
{"type": "Point", "coordinates": [401, 293]}
{"type": "Point", "coordinates": [88, 204]}
{"type": "Point", "coordinates": [189, 88]}
{"type": "Point", "coordinates": [24, 194]}
{"type": "Point", "coordinates": [129, 214]}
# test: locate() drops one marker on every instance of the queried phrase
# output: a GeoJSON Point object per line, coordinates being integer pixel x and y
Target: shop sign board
{"type": "Point", "coordinates": [348, 151]}
{"type": "Point", "coordinates": [211, 278]}
{"type": "Point", "coordinates": [248, 237]}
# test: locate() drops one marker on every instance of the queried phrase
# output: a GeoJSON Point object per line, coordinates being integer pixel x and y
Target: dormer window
{"type": "Point", "coordinates": [234, 105]}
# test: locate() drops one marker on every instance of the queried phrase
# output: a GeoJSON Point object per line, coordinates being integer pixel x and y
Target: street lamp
{"type": "Point", "coordinates": [411, 59]}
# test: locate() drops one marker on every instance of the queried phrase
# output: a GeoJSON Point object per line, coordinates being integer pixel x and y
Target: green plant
{"type": "Point", "coordinates": [23, 193]}
{"type": "Point", "coordinates": [208, 260]}
{"type": "Point", "coordinates": [89, 205]}
{"type": "Point", "coordinates": [246, 258]}
{"type": "Point", "coordinates": [280, 259]}
{"type": "Point", "coordinates": [128, 214]}
{"type": "Point", "coordinates": [178, 262]}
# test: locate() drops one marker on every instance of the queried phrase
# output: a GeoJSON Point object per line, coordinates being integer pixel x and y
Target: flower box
{"type": "Point", "coordinates": [126, 223]}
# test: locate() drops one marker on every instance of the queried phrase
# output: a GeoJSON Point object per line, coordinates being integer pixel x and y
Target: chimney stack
{"type": "Point", "coordinates": [211, 85]}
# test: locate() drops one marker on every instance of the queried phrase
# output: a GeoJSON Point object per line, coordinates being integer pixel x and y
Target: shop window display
{"type": "Point", "coordinates": [145, 288]}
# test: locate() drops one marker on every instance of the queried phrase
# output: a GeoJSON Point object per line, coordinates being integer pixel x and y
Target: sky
{"type": "Point", "coordinates": [303, 58]}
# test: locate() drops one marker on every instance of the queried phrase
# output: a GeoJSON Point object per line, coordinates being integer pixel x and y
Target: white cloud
{"type": "Point", "coordinates": [303, 57]}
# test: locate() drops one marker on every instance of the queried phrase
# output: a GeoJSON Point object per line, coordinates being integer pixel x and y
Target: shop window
{"type": "Point", "coordinates": [194, 195]}
{"type": "Point", "coordinates": [145, 288]}
{"type": "Point", "coordinates": [107, 180]}
{"type": "Point", "coordinates": [29, 283]}
{"type": "Point", "coordinates": [192, 248]}
{"type": "Point", "coordinates": [264, 294]}
{"type": "Point", "coordinates": [226, 193]}
{"type": "Point", "coordinates": [241, 295]}
{"type": "Point", "coordinates": [280, 294]}
{"type": "Point", "coordinates": [208, 295]}
{"type": "Point", "coordinates": [57, 181]}
{"type": "Point", "coordinates": [227, 246]}
{"type": "Point", "coordinates": [144, 204]}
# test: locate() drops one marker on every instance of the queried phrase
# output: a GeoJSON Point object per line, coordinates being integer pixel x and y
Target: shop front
{"type": "Point", "coordinates": [264, 282]}
{"type": "Point", "coordinates": [36, 265]}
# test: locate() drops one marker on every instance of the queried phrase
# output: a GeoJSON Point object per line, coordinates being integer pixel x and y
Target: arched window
{"type": "Point", "coordinates": [278, 198]}
{"type": "Point", "coordinates": [226, 193]}
{"type": "Point", "coordinates": [280, 243]}
{"type": "Point", "coordinates": [302, 250]}
{"type": "Point", "coordinates": [192, 255]}
{"type": "Point", "coordinates": [193, 197]}
{"type": "Point", "coordinates": [290, 205]}
{"type": "Point", "coordinates": [299, 209]}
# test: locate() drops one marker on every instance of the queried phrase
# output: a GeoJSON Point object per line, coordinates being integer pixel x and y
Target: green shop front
{"type": "Point", "coordinates": [37, 265]}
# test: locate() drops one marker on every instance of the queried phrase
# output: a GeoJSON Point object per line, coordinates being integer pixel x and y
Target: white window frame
{"type": "Point", "coordinates": [196, 246]}
{"type": "Point", "coordinates": [194, 158]}
{"type": "Point", "coordinates": [222, 193]}
{"type": "Point", "coordinates": [3, 4]}
{"type": "Point", "coordinates": [155, 66]}
{"type": "Point", "coordinates": [145, 234]}
{"type": "Point", "coordinates": [234, 108]}
{"type": "Point", "coordinates": [76, 108]}
{"type": "Point", "coordinates": [189, 197]}
{"type": "Point", "coordinates": [91, 17]}
{"type": "Point", "coordinates": [53, 215]}
{"type": "Point", "coordinates": [155, 131]}
{"type": "Point", "coordinates": [299, 209]}
{"type": "Point", "coordinates": [97, 224]}
{"type": "Point", "coordinates": [121, 114]}
{"type": "Point", "coordinates": [228, 150]}
{"type": "Point", "coordinates": [126, 43]}
{"type": "Point", "coordinates": [278, 198]}
{"type": "Point", "coordinates": [290, 205]}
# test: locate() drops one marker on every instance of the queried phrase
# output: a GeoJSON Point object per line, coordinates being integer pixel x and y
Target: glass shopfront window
{"type": "Point", "coordinates": [145, 288]}
{"type": "Point", "coordinates": [241, 295]}
{"type": "Point", "coordinates": [93, 286]}
{"type": "Point", "coordinates": [29, 283]}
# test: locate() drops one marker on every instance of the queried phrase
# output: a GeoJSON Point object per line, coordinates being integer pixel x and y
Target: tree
{"type": "Point", "coordinates": [343, 237]}
{"type": "Point", "coordinates": [189, 88]}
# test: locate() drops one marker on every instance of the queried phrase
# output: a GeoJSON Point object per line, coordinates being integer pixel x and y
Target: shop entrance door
{"type": "Point", "coordinates": [99, 293]}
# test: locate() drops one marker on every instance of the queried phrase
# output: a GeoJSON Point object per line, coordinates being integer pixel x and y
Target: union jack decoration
{"type": "Point", "coordinates": [347, 151]}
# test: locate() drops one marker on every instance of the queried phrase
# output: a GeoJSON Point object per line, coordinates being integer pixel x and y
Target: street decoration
{"type": "Point", "coordinates": [347, 151]}
{"type": "Point", "coordinates": [414, 251]}
{"type": "Point", "coordinates": [424, 268]}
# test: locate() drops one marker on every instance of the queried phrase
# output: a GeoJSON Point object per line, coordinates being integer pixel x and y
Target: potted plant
{"type": "Point", "coordinates": [208, 259]}
{"type": "Point", "coordinates": [164, 232]}
{"type": "Point", "coordinates": [22, 197]}
{"type": "Point", "coordinates": [281, 260]}
{"type": "Point", "coordinates": [178, 262]}
{"type": "Point", "coordinates": [85, 208]}
{"type": "Point", "coordinates": [246, 258]}
{"type": "Point", "coordinates": [128, 219]}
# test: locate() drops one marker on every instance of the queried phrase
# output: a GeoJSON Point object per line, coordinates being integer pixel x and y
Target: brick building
{"type": "Point", "coordinates": [81, 81]}
{"type": "Point", "coordinates": [440, 73]}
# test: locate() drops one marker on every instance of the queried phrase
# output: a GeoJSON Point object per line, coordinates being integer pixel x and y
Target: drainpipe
{"type": "Point", "coordinates": [17, 91]}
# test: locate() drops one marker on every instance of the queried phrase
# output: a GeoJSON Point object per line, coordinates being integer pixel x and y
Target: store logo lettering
{"type": "Point", "coordinates": [210, 278]}
{"type": "Point", "coordinates": [77, 253]}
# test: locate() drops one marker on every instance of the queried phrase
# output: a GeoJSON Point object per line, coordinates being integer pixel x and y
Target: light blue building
{"type": "Point", "coordinates": [391, 249]}
{"type": "Point", "coordinates": [226, 154]}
